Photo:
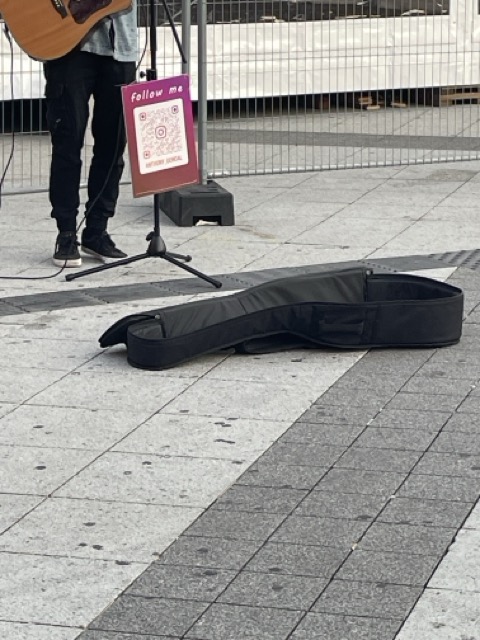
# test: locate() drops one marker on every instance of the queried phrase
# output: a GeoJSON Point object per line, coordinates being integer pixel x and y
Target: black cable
{"type": "Point", "coordinates": [12, 147]}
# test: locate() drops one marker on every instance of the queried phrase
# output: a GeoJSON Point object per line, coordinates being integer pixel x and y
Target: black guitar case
{"type": "Point", "coordinates": [343, 309]}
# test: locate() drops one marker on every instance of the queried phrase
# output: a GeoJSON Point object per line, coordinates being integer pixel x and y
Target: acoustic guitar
{"type": "Point", "coordinates": [48, 29]}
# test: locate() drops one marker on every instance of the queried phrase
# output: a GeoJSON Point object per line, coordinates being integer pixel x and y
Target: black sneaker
{"type": "Point", "coordinates": [101, 247]}
{"type": "Point", "coordinates": [66, 250]}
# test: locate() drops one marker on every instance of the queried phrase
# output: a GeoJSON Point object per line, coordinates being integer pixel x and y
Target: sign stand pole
{"type": "Point", "coordinates": [156, 247]}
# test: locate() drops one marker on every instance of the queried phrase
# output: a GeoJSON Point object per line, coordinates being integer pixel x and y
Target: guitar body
{"type": "Point", "coordinates": [45, 32]}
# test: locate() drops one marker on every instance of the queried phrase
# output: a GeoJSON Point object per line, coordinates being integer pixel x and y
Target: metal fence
{"type": "Point", "coordinates": [294, 85]}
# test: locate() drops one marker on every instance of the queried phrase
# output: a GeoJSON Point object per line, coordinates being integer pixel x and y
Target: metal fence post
{"type": "Point", "coordinates": [186, 31]}
{"type": "Point", "coordinates": [202, 91]}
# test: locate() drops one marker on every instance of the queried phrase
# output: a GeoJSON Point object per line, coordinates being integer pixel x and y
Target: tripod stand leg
{"type": "Point", "coordinates": [103, 267]}
{"type": "Point", "coordinates": [199, 274]}
{"type": "Point", "coordinates": [179, 256]}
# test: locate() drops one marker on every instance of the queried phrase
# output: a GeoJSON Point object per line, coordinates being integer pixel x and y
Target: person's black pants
{"type": "Point", "coordinates": [70, 83]}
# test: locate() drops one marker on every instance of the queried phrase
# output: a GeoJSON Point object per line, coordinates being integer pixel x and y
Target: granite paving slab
{"type": "Point", "coordinates": [233, 622]}
{"type": "Point", "coordinates": [444, 615]}
{"type": "Point", "coordinates": [316, 627]}
{"type": "Point", "coordinates": [59, 591]}
{"type": "Point", "coordinates": [98, 530]}
{"type": "Point", "coordinates": [367, 599]}
{"type": "Point", "coordinates": [25, 631]}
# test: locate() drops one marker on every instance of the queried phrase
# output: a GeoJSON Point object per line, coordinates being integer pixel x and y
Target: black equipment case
{"type": "Point", "coordinates": [344, 309]}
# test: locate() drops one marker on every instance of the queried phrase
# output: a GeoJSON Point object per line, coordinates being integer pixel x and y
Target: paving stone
{"type": "Point", "coordinates": [406, 538]}
{"type": "Point", "coordinates": [436, 385]}
{"type": "Point", "coordinates": [292, 453]}
{"type": "Point", "coordinates": [291, 477]}
{"type": "Point", "coordinates": [279, 401]}
{"type": "Point", "coordinates": [460, 568]}
{"type": "Point", "coordinates": [361, 482]}
{"type": "Point", "coordinates": [475, 392]}
{"type": "Point", "coordinates": [14, 506]}
{"type": "Point", "coordinates": [336, 414]}
{"type": "Point", "coordinates": [378, 460]}
{"type": "Point", "coordinates": [333, 434]}
{"type": "Point", "coordinates": [154, 479]}
{"type": "Point", "coordinates": [354, 380]}
{"type": "Point", "coordinates": [114, 635]}
{"type": "Point", "coordinates": [353, 506]}
{"type": "Point", "coordinates": [473, 521]}
{"type": "Point", "coordinates": [392, 362]}
{"type": "Point", "coordinates": [274, 590]}
{"type": "Point", "coordinates": [230, 622]}
{"type": "Point", "coordinates": [238, 525]}
{"type": "Point", "coordinates": [441, 488]}
{"type": "Point", "coordinates": [470, 405]}
{"type": "Point", "coordinates": [444, 615]}
{"type": "Point", "coordinates": [320, 627]}
{"type": "Point", "coordinates": [468, 372]}
{"type": "Point", "coordinates": [209, 552]}
{"type": "Point", "coordinates": [457, 442]}
{"type": "Point", "coordinates": [297, 559]}
{"type": "Point", "coordinates": [425, 402]}
{"type": "Point", "coordinates": [373, 400]}
{"type": "Point", "coordinates": [404, 439]}
{"type": "Point", "coordinates": [26, 631]}
{"type": "Point", "coordinates": [449, 356]}
{"type": "Point", "coordinates": [411, 419]}
{"type": "Point", "coordinates": [449, 464]}
{"type": "Point", "coordinates": [464, 423]}
{"type": "Point", "coordinates": [110, 390]}
{"type": "Point", "coordinates": [19, 385]}
{"type": "Point", "coordinates": [411, 358]}
{"type": "Point", "coordinates": [156, 616]}
{"type": "Point", "coordinates": [327, 532]}
{"type": "Point", "coordinates": [39, 470]}
{"type": "Point", "coordinates": [52, 427]}
{"type": "Point", "coordinates": [184, 583]}
{"type": "Point", "coordinates": [259, 499]}
{"type": "Point", "coordinates": [98, 530]}
{"type": "Point", "coordinates": [59, 591]}
{"type": "Point", "coordinates": [367, 599]}
{"type": "Point", "coordinates": [397, 568]}
{"type": "Point", "coordinates": [432, 513]}
{"type": "Point", "coordinates": [202, 436]}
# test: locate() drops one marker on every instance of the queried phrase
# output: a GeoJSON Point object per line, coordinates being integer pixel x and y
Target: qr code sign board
{"type": "Point", "coordinates": [161, 136]}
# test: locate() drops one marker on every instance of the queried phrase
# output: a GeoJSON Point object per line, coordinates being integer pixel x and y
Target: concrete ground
{"type": "Point", "coordinates": [305, 494]}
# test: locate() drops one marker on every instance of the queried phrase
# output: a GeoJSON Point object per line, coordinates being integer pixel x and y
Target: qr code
{"type": "Point", "coordinates": [161, 136]}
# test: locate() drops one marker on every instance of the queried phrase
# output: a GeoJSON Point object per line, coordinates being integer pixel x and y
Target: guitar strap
{"type": "Point", "coordinates": [80, 10]}
{"type": "Point", "coordinates": [60, 7]}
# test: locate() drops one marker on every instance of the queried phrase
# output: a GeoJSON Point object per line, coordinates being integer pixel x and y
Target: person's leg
{"type": "Point", "coordinates": [109, 145]}
{"type": "Point", "coordinates": [69, 84]}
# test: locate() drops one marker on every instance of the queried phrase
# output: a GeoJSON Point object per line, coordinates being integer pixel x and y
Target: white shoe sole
{"type": "Point", "coordinates": [67, 264]}
{"type": "Point", "coordinates": [96, 255]}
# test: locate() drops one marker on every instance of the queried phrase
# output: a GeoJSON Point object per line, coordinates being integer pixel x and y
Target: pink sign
{"type": "Point", "coordinates": [160, 135]}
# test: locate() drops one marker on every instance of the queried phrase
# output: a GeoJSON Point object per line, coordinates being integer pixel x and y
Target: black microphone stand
{"type": "Point", "coordinates": [156, 247]}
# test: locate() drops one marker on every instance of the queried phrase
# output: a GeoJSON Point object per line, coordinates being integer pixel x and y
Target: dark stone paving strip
{"type": "Point", "coordinates": [308, 138]}
{"type": "Point", "coordinates": [90, 296]}
{"type": "Point", "coordinates": [335, 531]}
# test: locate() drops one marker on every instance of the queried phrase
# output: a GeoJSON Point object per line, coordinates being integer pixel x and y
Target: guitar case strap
{"type": "Point", "coordinates": [342, 309]}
